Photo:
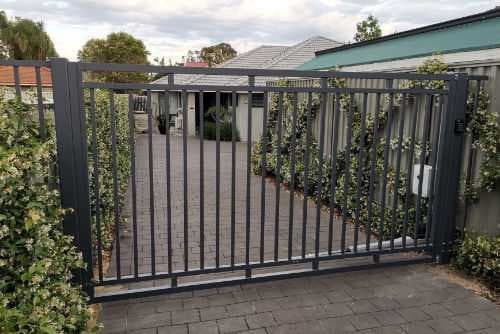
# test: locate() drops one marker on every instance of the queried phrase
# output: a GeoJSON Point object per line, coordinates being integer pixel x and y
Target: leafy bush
{"type": "Point", "coordinates": [479, 256]}
{"type": "Point", "coordinates": [105, 163]}
{"type": "Point", "coordinates": [226, 131]}
{"type": "Point", "coordinates": [36, 258]}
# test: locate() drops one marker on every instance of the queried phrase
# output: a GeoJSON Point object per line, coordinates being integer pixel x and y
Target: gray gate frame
{"type": "Point", "coordinates": [74, 182]}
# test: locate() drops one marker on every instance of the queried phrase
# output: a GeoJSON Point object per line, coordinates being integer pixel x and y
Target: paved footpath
{"type": "Point", "coordinates": [406, 300]}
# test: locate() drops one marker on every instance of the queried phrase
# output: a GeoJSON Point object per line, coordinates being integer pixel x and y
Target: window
{"type": "Point", "coordinates": [258, 100]}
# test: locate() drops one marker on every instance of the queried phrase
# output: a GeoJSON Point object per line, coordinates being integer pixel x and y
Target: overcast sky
{"type": "Point", "coordinates": [170, 28]}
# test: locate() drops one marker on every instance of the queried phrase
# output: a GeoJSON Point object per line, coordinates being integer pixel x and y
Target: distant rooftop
{"type": "Point", "coordinates": [474, 32]}
{"type": "Point", "coordinates": [263, 57]}
{"type": "Point", "coordinates": [27, 76]}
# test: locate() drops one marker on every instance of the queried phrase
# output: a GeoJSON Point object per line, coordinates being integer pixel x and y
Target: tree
{"type": "Point", "coordinates": [24, 39]}
{"type": "Point", "coordinates": [217, 54]}
{"type": "Point", "coordinates": [367, 29]}
{"type": "Point", "coordinates": [119, 47]}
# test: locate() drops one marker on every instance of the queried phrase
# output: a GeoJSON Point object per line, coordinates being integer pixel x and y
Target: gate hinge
{"type": "Point", "coordinates": [459, 126]}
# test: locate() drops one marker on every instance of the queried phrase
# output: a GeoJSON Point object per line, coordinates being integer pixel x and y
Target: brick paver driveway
{"type": "Point", "coordinates": [160, 210]}
{"type": "Point", "coordinates": [401, 300]}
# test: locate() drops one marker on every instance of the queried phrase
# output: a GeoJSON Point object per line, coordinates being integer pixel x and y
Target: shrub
{"type": "Point", "coordinates": [479, 256]}
{"type": "Point", "coordinates": [36, 258]}
{"type": "Point", "coordinates": [226, 132]}
{"type": "Point", "coordinates": [105, 162]}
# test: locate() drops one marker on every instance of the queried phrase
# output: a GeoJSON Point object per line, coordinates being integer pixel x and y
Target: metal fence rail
{"type": "Point", "coordinates": [304, 240]}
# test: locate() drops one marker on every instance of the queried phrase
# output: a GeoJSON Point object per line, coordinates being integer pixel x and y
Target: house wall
{"type": "Point", "coordinates": [242, 119]}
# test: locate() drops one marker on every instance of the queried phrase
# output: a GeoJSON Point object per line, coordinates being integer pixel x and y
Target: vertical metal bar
{"type": "Point", "coordinates": [170, 81]}
{"type": "Point", "coordinates": [39, 96]}
{"type": "Point", "coordinates": [472, 155]}
{"type": "Point", "coordinates": [306, 173]}
{"type": "Point", "coordinates": [278, 182]}
{"type": "Point", "coordinates": [398, 169]}
{"type": "Point", "coordinates": [185, 123]}
{"type": "Point", "coordinates": [131, 123]}
{"type": "Point", "coordinates": [373, 175]}
{"type": "Point", "coordinates": [116, 199]}
{"type": "Point", "coordinates": [233, 174]}
{"type": "Point", "coordinates": [413, 125]}
{"type": "Point", "coordinates": [251, 83]}
{"type": "Point", "coordinates": [433, 172]}
{"type": "Point", "coordinates": [333, 180]}
{"type": "Point", "coordinates": [217, 179]}
{"type": "Point", "coordinates": [293, 149]}
{"type": "Point", "coordinates": [202, 182]}
{"type": "Point", "coordinates": [263, 177]}
{"type": "Point", "coordinates": [387, 144]}
{"type": "Point", "coordinates": [448, 169]}
{"type": "Point", "coordinates": [97, 194]}
{"type": "Point", "coordinates": [17, 82]}
{"type": "Point", "coordinates": [319, 189]}
{"type": "Point", "coordinates": [425, 137]}
{"type": "Point", "coordinates": [347, 180]}
{"type": "Point", "coordinates": [72, 162]}
{"type": "Point", "coordinates": [359, 174]}
{"type": "Point", "coordinates": [149, 112]}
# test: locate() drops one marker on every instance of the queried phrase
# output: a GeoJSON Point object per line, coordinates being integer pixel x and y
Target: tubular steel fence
{"type": "Point", "coordinates": [194, 214]}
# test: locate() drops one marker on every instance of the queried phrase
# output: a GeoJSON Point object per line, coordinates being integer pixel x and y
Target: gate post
{"type": "Point", "coordinates": [71, 141]}
{"type": "Point", "coordinates": [449, 169]}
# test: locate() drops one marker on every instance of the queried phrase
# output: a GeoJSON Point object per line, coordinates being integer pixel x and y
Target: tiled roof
{"type": "Point", "coordinates": [263, 57]}
{"type": "Point", "coordinates": [27, 76]}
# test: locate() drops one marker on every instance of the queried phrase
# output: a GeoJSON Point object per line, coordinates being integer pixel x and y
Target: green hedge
{"type": "Point", "coordinates": [36, 258]}
{"type": "Point", "coordinates": [226, 132]}
{"type": "Point", "coordinates": [479, 256]}
{"type": "Point", "coordinates": [105, 163]}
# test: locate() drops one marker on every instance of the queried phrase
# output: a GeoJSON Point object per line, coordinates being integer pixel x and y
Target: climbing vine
{"type": "Point", "coordinates": [394, 214]}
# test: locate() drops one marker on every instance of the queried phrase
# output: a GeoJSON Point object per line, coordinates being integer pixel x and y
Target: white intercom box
{"type": "Point", "coordinates": [425, 181]}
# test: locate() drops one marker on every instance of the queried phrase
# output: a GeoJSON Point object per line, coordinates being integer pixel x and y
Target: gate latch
{"type": "Point", "coordinates": [459, 126]}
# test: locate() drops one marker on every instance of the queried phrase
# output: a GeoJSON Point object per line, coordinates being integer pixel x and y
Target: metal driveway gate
{"type": "Point", "coordinates": [343, 128]}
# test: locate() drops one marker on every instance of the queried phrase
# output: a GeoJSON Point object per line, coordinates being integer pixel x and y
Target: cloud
{"type": "Point", "coordinates": [171, 27]}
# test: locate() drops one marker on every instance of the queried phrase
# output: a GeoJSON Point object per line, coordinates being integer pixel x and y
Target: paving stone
{"type": "Point", "coordinates": [254, 331]}
{"type": "Point", "coordinates": [148, 321]}
{"type": "Point", "coordinates": [213, 313]}
{"type": "Point", "coordinates": [260, 320]}
{"type": "Point", "coordinates": [187, 316]}
{"type": "Point", "coordinates": [336, 310]}
{"type": "Point", "coordinates": [230, 325]}
{"type": "Point", "coordinates": [436, 311]}
{"type": "Point", "coordinates": [168, 305]}
{"type": "Point", "coordinates": [444, 326]}
{"type": "Point", "coordinates": [413, 314]}
{"type": "Point", "coordinates": [362, 306]}
{"type": "Point", "coordinates": [389, 318]}
{"type": "Point", "coordinates": [384, 330]}
{"type": "Point", "coordinates": [364, 321]}
{"type": "Point", "coordinates": [206, 327]}
{"type": "Point", "coordinates": [178, 329]}
{"type": "Point", "coordinates": [418, 328]}
{"type": "Point", "coordinates": [473, 321]}
{"type": "Point", "coordinates": [143, 331]}
{"type": "Point", "coordinates": [288, 316]}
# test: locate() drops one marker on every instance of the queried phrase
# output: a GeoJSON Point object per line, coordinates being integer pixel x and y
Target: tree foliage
{"type": "Point", "coordinates": [121, 48]}
{"type": "Point", "coordinates": [367, 29]}
{"type": "Point", "coordinates": [217, 54]}
{"type": "Point", "coordinates": [24, 39]}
